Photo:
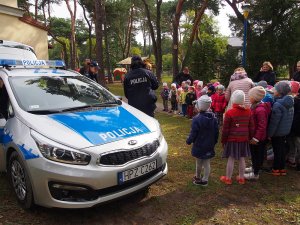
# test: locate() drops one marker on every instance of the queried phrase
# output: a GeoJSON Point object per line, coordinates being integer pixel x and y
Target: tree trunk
{"type": "Point", "coordinates": [198, 18]}
{"type": "Point", "coordinates": [99, 38]}
{"type": "Point", "coordinates": [73, 52]}
{"type": "Point", "coordinates": [158, 41]}
{"type": "Point", "coordinates": [144, 38]}
{"type": "Point", "coordinates": [129, 31]}
{"type": "Point", "coordinates": [90, 30]}
{"type": "Point", "coordinates": [36, 9]}
{"type": "Point", "coordinates": [151, 29]}
{"type": "Point", "coordinates": [175, 47]}
{"type": "Point", "coordinates": [109, 69]}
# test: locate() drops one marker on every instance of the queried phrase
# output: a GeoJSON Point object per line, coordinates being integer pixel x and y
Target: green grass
{"type": "Point", "coordinates": [175, 200]}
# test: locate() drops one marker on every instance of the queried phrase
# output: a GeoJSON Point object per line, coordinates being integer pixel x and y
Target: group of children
{"type": "Point", "coordinates": [183, 98]}
{"type": "Point", "coordinates": [274, 115]}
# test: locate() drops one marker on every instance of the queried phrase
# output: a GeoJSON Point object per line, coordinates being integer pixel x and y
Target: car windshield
{"type": "Point", "coordinates": [43, 95]}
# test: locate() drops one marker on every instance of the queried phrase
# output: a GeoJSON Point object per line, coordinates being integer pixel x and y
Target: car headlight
{"type": "Point", "coordinates": [160, 136]}
{"type": "Point", "coordinates": [63, 155]}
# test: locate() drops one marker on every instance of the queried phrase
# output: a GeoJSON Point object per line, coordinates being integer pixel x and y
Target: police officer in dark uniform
{"type": "Point", "coordinates": [139, 86]}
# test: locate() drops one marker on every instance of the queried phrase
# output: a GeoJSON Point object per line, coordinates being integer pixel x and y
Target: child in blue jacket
{"type": "Point", "coordinates": [204, 135]}
{"type": "Point", "coordinates": [280, 125]}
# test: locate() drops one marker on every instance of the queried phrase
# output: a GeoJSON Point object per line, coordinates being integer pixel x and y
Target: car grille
{"type": "Point", "coordinates": [122, 157]}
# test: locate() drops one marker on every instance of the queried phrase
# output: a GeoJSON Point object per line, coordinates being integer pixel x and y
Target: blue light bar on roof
{"type": "Point", "coordinates": [32, 63]}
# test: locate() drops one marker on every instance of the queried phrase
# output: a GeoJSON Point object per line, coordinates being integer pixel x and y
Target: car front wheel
{"type": "Point", "coordinates": [20, 181]}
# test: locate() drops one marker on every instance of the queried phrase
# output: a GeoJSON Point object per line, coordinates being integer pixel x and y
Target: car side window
{"type": "Point", "coordinates": [4, 101]}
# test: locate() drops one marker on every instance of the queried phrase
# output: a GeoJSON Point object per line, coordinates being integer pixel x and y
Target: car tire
{"type": "Point", "coordinates": [20, 181]}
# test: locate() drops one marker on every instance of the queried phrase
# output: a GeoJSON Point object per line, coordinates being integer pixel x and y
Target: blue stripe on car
{"type": "Point", "coordinates": [6, 137]}
{"type": "Point", "coordinates": [103, 125]}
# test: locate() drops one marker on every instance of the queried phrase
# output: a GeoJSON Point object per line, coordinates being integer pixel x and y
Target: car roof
{"type": "Point", "coordinates": [38, 72]}
{"type": "Point", "coordinates": [16, 50]}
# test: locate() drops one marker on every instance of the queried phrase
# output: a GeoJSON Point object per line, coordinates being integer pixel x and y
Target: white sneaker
{"type": "Point", "coordinates": [251, 176]}
{"type": "Point", "coordinates": [249, 169]}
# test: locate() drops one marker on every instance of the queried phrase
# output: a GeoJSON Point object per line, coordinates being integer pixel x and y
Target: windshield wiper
{"type": "Point", "coordinates": [106, 104]}
{"type": "Point", "coordinates": [75, 108]}
{"type": "Point", "coordinates": [43, 112]}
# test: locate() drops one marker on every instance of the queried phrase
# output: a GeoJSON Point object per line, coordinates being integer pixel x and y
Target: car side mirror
{"type": "Point", "coordinates": [119, 97]}
{"type": "Point", "coordinates": [119, 102]}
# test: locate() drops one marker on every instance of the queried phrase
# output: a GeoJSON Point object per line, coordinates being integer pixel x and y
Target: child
{"type": "Point", "coordinates": [238, 129]}
{"type": "Point", "coordinates": [280, 125]}
{"type": "Point", "coordinates": [165, 96]}
{"type": "Point", "coordinates": [189, 99]}
{"type": "Point", "coordinates": [183, 94]}
{"type": "Point", "coordinates": [204, 136]}
{"type": "Point", "coordinates": [198, 89]}
{"type": "Point", "coordinates": [211, 90]}
{"type": "Point", "coordinates": [219, 104]}
{"type": "Point", "coordinates": [269, 94]}
{"type": "Point", "coordinates": [296, 131]}
{"type": "Point", "coordinates": [180, 100]}
{"type": "Point", "coordinates": [173, 96]}
{"type": "Point", "coordinates": [260, 113]}
{"type": "Point", "coordinates": [290, 138]}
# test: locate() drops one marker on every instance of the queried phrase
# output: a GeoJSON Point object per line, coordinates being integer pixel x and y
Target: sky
{"type": "Point", "coordinates": [222, 18]}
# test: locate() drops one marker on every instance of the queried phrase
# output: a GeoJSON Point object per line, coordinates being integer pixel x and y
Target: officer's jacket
{"type": "Point", "coordinates": [139, 86]}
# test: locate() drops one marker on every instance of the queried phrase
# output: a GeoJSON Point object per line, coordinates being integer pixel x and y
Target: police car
{"type": "Point", "coordinates": [67, 142]}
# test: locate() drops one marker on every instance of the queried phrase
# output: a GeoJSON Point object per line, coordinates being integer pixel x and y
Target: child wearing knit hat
{"type": "Point", "coordinates": [238, 126]}
{"type": "Point", "coordinates": [204, 136]}
{"type": "Point", "coordinates": [260, 113]}
{"type": "Point", "coordinates": [280, 125]}
{"type": "Point", "coordinates": [269, 94]}
{"type": "Point", "coordinates": [165, 96]}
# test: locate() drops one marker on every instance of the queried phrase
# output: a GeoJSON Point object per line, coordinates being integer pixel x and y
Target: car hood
{"type": "Point", "coordinates": [92, 127]}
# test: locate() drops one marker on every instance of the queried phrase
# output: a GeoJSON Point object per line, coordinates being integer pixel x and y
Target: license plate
{"type": "Point", "coordinates": [136, 172]}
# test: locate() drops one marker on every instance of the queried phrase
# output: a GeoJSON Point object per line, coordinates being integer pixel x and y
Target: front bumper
{"type": "Point", "coordinates": [101, 181]}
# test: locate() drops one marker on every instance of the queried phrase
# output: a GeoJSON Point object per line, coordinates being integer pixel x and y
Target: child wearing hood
{"type": "Point", "coordinates": [189, 99]}
{"type": "Point", "coordinates": [260, 113]}
{"type": "Point", "coordinates": [280, 125]}
{"type": "Point", "coordinates": [204, 136]}
{"type": "Point", "coordinates": [173, 96]}
{"type": "Point", "coordinates": [198, 89]}
{"type": "Point", "coordinates": [219, 103]}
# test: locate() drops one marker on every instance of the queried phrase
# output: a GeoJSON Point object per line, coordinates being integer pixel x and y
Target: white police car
{"type": "Point", "coordinates": [68, 142]}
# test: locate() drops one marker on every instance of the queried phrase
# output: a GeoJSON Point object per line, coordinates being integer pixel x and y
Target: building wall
{"type": "Point", "coordinates": [11, 3]}
{"type": "Point", "coordinates": [12, 29]}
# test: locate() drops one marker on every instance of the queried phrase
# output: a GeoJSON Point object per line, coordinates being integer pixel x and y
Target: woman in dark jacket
{"type": "Point", "coordinates": [267, 74]}
{"type": "Point", "coordinates": [296, 76]}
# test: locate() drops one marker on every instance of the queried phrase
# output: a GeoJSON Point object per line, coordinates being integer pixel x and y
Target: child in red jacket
{"type": "Point", "coordinates": [238, 129]}
{"type": "Point", "coordinates": [219, 104]}
{"type": "Point", "coordinates": [260, 113]}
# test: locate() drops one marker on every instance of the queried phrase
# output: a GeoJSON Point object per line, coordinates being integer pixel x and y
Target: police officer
{"type": "Point", "coordinates": [139, 86]}
{"type": "Point", "coordinates": [85, 69]}
{"type": "Point", "coordinates": [93, 71]}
